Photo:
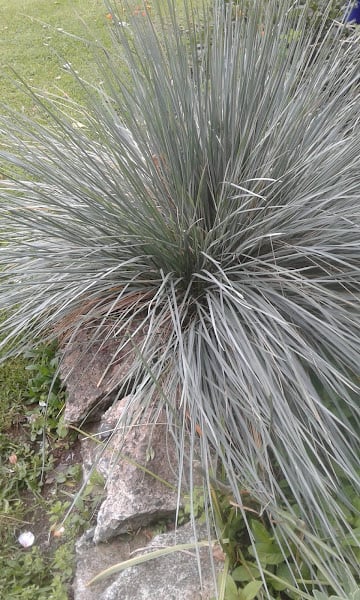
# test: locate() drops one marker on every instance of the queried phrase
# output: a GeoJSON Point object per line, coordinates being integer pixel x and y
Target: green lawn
{"type": "Point", "coordinates": [34, 42]}
{"type": "Point", "coordinates": [38, 38]}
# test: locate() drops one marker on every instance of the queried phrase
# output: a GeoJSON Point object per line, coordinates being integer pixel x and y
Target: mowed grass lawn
{"type": "Point", "coordinates": [48, 45]}
{"type": "Point", "coordinates": [38, 38]}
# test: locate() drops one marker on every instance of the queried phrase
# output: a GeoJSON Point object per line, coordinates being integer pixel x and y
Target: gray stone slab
{"type": "Point", "coordinates": [91, 559]}
{"type": "Point", "coordinates": [171, 577]}
{"type": "Point", "coordinates": [142, 477]}
{"type": "Point", "coordinates": [91, 385]}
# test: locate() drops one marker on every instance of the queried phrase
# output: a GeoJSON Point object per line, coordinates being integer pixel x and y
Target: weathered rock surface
{"type": "Point", "coordinates": [91, 560]}
{"type": "Point", "coordinates": [140, 467]}
{"type": "Point", "coordinates": [174, 576]}
{"type": "Point", "coordinates": [171, 577]}
{"type": "Point", "coordinates": [141, 473]}
{"type": "Point", "coordinates": [90, 384]}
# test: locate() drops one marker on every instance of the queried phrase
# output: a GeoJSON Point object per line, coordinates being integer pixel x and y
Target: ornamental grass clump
{"type": "Point", "coordinates": [210, 201]}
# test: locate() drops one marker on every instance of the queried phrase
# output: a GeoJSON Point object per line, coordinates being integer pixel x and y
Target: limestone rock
{"type": "Point", "coordinates": [109, 421]}
{"type": "Point", "coordinates": [139, 464]}
{"type": "Point", "coordinates": [92, 559]}
{"type": "Point", "coordinates": [83, 365]}
{"type": "Point", "coordinates": [141, 484]}
{"type": "Point", "coordinates": [171, 577]}
{"type": "Point", "coordinates": [140, 470]}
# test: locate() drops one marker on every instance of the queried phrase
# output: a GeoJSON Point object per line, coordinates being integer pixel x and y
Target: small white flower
{"type": "Point", "coordinates": [26, 539]}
